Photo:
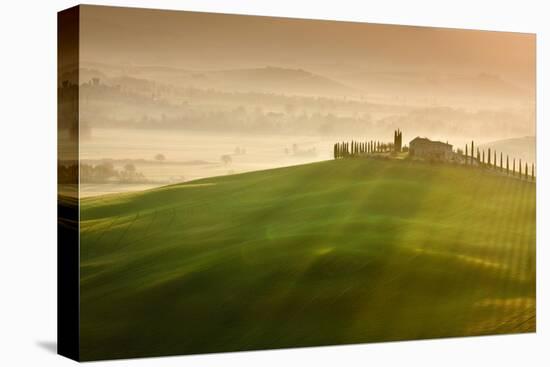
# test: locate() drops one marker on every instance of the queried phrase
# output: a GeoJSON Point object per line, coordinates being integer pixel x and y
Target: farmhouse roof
{"type": "Point", "coordinates": [426, 140]}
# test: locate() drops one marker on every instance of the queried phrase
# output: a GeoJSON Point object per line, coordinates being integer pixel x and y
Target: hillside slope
{"type": "Point", "coordinates": [524, 148]}
{"type": "Point", "coordinates": [334, 252]}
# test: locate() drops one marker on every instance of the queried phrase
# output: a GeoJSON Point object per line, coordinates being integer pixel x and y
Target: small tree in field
{"type": "Point", "coordinates": [226, 159]}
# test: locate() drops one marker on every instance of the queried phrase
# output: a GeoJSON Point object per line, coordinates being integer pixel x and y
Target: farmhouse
{"type": "Point", "coordinates": [425, 148]}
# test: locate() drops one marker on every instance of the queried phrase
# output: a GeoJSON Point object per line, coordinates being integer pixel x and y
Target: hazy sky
{"type": "Point", "coordinates": [217, 41]}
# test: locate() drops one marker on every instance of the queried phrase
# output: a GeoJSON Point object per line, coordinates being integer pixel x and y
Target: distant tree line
{"type": "Point", "coordinates": [356, 148]}
{"type": "Point", "coordinates": [106, 172]}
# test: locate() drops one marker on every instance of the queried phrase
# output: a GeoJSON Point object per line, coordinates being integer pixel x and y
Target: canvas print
{"type": "Point", "coordinates": [232, 183]}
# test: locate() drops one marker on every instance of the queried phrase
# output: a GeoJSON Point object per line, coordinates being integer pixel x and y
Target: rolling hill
{"type": "Point", "coordinates": [406, 84]}
{"type": "Point", "coordinates": [267, 79]}
{"type": "Point", "coordinates": [524, 148]}
{"type": "Point", "coordinates": [346, 251]}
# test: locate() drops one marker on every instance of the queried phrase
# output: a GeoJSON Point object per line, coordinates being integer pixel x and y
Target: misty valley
{"type": "Point", "coordinates": [143, 127]}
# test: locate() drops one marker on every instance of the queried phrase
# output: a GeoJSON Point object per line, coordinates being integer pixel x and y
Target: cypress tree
{"type": "Point", "coordinates": [466, 155]}
{"type": "Point", "coordinates": [514, 168]}
{"type": "Point", "coordinates": [483, 157]}
{"type": "Point", "coordinates": [489, 157]}
{"type": "Point", "coordinates": [500, 161]}
{"type": "Point", "coordinates": [526, 170]}
{"type": "Point", "coordinates": [495, 159]}
{"type": "Point", "coordinates": [533, 171]}
{"type": "Point", "coordinates": [507, 165]}
{"type": "Point", "coordinates": [472, 150]}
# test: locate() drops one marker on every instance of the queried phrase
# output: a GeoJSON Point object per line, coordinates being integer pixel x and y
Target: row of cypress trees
{"type": "Point", "coordinates": [490, 160]}
{"type": "Point", "coordinates": [355, 148]}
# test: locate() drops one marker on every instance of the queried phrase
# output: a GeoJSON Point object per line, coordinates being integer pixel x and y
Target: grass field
{"type": "Point", "coordinates": [345, 251]}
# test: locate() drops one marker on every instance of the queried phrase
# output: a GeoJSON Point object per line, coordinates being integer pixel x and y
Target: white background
{"type": "Point", "coordinates": [28, 183]}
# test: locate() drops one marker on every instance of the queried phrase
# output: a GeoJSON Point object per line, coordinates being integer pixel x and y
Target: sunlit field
{"type": "Point", "coordinates": [336, 252]}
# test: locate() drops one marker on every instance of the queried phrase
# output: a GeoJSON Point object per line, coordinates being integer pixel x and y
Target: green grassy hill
{"type": "Point", "coordinates": [343, 251]}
